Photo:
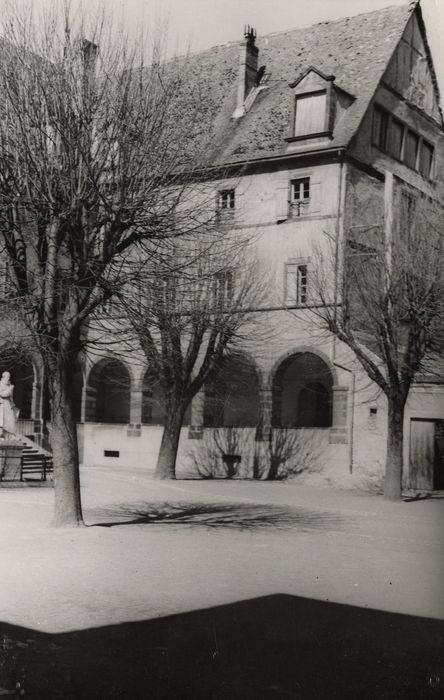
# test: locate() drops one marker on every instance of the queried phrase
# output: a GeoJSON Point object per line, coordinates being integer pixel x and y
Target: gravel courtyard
{"type": "Point", "coordinates": [155, 549]}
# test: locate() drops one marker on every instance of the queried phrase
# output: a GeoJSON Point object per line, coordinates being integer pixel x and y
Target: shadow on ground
{"type": "Point", "coordinates": [215, 515]}
{"type": "Point", "coordinates": [277, 647]}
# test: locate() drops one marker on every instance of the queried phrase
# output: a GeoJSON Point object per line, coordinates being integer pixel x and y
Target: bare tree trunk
{"type": "Point", "coordinates": [393, 466]}
{"type": "Point", "coordinates": [68, 508]}
{"type": "Point", "coordinates": [166, 460]}
{"type": "Point", "coordinates": [273, 471]}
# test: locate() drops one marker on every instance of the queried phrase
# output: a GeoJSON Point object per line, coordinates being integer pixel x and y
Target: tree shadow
{"type": "Point", "coordinates": [239, 516]}
{"type": "Point", "coordinates": [271, 648]}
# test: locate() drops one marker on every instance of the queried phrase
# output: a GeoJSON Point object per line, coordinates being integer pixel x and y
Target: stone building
{"type": "Point", "coordinates": [311, 122]}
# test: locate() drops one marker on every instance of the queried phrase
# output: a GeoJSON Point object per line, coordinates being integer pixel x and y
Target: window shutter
{"type": "Point", "coordinates": [310, 114]}
{"type": "Point", "coordinates": [3, 278]}
{"type": "Point", "coordinates": [315, 197]}
{"type": "Point", "coordinates": [282, 200]}
{"type": "Point", "coordinates": [290, 283]}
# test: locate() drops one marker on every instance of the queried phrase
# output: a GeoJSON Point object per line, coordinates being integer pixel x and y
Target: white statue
{"type": "Point", "coordinates": [8, 410]}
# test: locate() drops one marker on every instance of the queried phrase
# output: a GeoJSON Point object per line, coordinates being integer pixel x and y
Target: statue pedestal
{"type": "Point", "coordinates": [10, 460]}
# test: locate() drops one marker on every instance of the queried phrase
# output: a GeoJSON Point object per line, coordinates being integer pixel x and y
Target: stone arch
{"type": "Point", "coordinates": [108, 392]}
{"type": "Point", "coordinates": [299, 350]}
{"type": "Point", "coordinates": [302, 391]}
{"type": "Point", "coordinates": [232, 397]}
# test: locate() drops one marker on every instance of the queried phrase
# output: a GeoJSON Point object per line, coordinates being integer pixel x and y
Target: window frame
{"type": "Point", "coordinates": [409, 133]}
{"type": "Point", "coordinates": [226, 195]}
{"type": "Point", "coordinates": [406, 129]}
{"type": "Point", "coordinates": [402, 127]}
{"type": "Point", "coordinates": [299, 270]}
{"type": "Point", "coordinates": [296, 203]}
{"type": "Point", "coordinates": [424, 142]}
{"type": "Point", "coordinates": [310, 96]}
{"type": "Point", "coordinates": [385, 121]}
{"type": "Point", "coordinates": [223, 288]}
{"type": "Point", "coordinates": [6, 286]}
{"type": "Point", "coordinates": [327, 129]}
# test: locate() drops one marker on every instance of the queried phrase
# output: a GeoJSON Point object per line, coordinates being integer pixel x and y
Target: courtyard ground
{"type": "Point", "coordinates": [215, 589]}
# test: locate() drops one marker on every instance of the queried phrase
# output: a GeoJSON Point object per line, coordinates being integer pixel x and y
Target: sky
{"type": "Point", "coordinates": [199, 24]}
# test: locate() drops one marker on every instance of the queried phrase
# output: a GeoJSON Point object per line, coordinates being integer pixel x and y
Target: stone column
{"type": "Point", "coordinates": [83, 404]}
{"type": "Point", "coordinates": [266, 414]}
{"type": "Point", "coordinates": [339, 429]}
{"type": "Point", "coordinates": [135, 426]}
{"type": "Point", "coordinates": [195, 431]}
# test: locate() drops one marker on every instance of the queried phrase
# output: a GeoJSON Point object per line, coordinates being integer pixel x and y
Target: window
{"type": "Point", "coordinates": [411, 149]}
{"type": "Point", "coordinates": [395, 139]}
{"type": "Point", "coordinates": [380, 127]}
{"type": "Point", "coordinates": [400, 142]}
{"type": "Point", "coordinates": [426, 159]}
{"type": "Point", "coordinates": [223, 288]}
{"type": "Point", "coordinates": [6, 289]}
{"type": "Point", "coordinates": [226, 200]}
{"type": "Point", "coordinates": [296, 283]}
{"type": "Point", "coordinates": [300, 196]}
{"type": "Point", "coordinates": [310, 114]}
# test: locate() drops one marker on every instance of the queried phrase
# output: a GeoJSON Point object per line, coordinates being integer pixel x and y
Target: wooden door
{"type": "Point", "coordinates": [439, 455]}
{"type": "Point", "coordinates": [422, 454]}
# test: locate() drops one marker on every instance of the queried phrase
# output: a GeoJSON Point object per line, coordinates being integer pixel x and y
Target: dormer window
{"type": "Point", "coordinates": [310, 114]}
{"type": "Point", "coordinates": [318, 104]}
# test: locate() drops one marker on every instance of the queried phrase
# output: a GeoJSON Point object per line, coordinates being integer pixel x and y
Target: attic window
{"type": "Point", "coordinates": [426, 159]}
{"type": "Point", "coordinates": [380, 127]}
{"type": "Point", "coordinates": [396, 139]}
{"type": "Point", "coordinates": [401, 142]}
{"type": "Point", "coordinates": [310, 114]}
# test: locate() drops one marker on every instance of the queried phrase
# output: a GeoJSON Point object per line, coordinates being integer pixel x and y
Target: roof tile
{"type": "Point", "coordinates": [354, 49]}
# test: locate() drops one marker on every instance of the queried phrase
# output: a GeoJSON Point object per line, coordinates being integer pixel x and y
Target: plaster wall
{"type": "Point", "coordinates": [264, 215]}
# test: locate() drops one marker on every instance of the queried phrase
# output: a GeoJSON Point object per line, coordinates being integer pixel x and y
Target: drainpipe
{"type": "Point", "coordinates": [341, 192]}
{"type": "Point", "coordinates": [351, 424]}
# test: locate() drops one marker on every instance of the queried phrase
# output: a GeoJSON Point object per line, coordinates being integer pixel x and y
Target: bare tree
{"type": "Point", "coordinates": [392, 309]}
{"type": "Point", "coordinates": [189, 314]}
{"type": "Point", "coordinates": [91, 140]}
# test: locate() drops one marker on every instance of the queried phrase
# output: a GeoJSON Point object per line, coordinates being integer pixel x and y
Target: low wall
{"type": "Point", "coordinates": [108, 445]}
{"type": "Point", "coordinates": [103, 444]}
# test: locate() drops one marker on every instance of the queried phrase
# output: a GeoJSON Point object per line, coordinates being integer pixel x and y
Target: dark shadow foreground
{"type": "Point", "coordinates": [269, 648]}
{"type": "Point", "coordinates": [239, 516]}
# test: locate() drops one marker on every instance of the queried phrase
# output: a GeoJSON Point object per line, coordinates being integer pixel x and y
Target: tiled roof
{"type": "Point", "coordinates": [356, 50]}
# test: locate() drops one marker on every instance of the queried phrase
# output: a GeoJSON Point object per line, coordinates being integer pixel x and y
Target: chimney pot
{"type": "Point", "coordinates": [248, 62]}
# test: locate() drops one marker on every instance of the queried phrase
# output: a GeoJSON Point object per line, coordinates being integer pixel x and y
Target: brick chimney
{"type": "Point", "coordinates": [247, 78]}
